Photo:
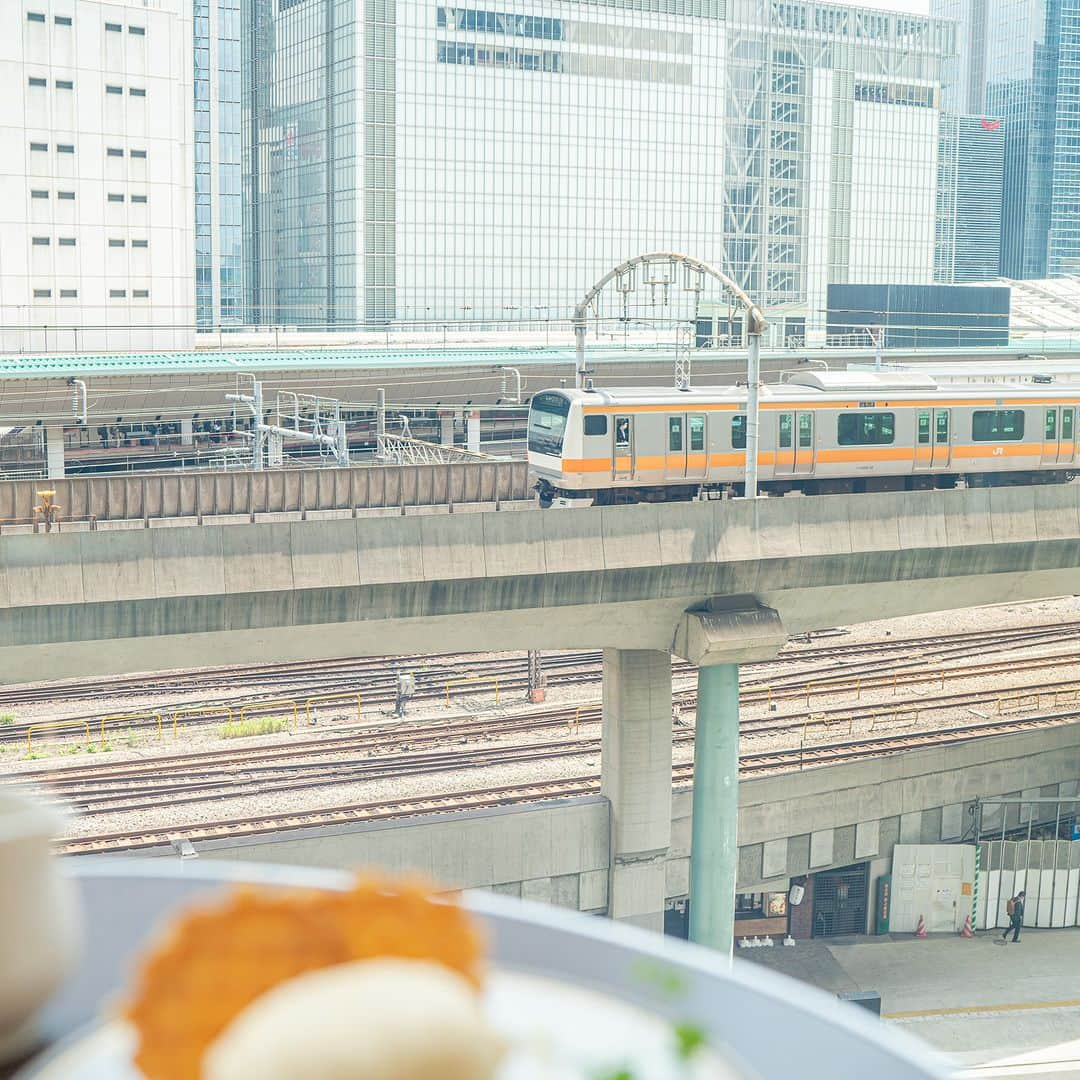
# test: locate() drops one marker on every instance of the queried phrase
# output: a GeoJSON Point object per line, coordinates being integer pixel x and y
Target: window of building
{"type": "Point", "coordinates": [116, 243]}
{"type": "Point", "coordinates": [65, 148]}
{"type": "Point", "coordinates": [136, 91]}
{"type": "Point", "coordinates": [114, 151]}
{"type": "Point", "coordinates": [141, 294]}
{"type": "Point", "coordinates": [65, 84]}
{"type": "Point", "coordinates": [36, 193]}
{"type": "Point", "coordinates": [865, 428]}
{"type": "Point", "coordinates": [40, 241]}
{"type": "Point", "coordinates": [137, 198]}
{"type": "Point", "coordinates": [117, 294]}
{"type": "Point", "coordinates": [42, 294]}
{"type": "Point", "coordinates": [41, 146]}
{"type": "Point", "coordinates": [66, 241]}
{"type": "Point", "coordinates": [138, 31]}
{"type": "Point", "coordinates": [137, 153]}
{"type": "Point", "coordinates": [738, 431]}
{"type": "Point", "coordinates": [34, 81]}
{"type": "Point", "coordinates": [62, 20]}
{"type": "Point", "coordinates": [146, 243]}
{"type": "Point", "coordinates": [113, 197]}
{"type": "Point", "coordinates": [69, 195]}
{"type": "Point", "coordinates": [113, 89]}
{"type": "Point", "coordinates": [113, 27]}
{"type": "Point", "coordinates": [997, 425]}
{"type": "Point", "coordinates": [68, 294]}
{"type": "Point", "coordinates": [35, 16]}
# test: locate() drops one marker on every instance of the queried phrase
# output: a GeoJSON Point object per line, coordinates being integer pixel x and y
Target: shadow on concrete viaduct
{"type": "Point", "coordinates": [717, 583]}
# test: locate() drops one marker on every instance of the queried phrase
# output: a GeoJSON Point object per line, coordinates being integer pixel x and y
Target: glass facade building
{"type": "Point", "coordinates": [416, 162]}
{"type": "Point", "coordinates": [1024, 57]}
{"type": "Point", "coordinates": [219, 296]}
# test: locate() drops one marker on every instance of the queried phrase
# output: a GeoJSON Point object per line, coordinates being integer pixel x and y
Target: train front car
{"type": "Point", "coordinates": [551, 438]}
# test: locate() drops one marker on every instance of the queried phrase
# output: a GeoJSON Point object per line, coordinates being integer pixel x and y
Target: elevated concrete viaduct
{"type": "Point", "coordinates": [717, 583]}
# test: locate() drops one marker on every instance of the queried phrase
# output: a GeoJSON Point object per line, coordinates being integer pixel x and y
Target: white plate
{"type": "Point", "coordinates": [554, 1031]}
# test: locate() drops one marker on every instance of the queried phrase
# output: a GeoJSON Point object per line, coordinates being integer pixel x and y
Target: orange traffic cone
{"type": "Point", "coordinates": [920, 930]}
{"type": "Point", "coordinates": [966, 930]}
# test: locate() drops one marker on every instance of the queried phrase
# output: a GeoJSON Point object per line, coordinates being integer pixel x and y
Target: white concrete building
{"type": "Point", "coordinates": [96, 200]}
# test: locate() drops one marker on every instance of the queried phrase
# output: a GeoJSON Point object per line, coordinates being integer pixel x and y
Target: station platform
{"type": "Point", "coordinates": [994, 1010]}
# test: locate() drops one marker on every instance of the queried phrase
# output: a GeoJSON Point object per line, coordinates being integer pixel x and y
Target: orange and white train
{"type": "Point", "coordinates": [819, 432]}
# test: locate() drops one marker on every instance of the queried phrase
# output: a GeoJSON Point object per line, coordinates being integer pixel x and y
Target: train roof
{"type": "Point", "coordinates": [800, 385]}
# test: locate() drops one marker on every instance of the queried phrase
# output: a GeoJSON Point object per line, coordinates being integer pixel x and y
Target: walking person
{"type": "Point", "coordinates": [1015, 910]}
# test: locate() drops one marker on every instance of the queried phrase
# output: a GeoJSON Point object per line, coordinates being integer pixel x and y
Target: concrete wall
{"type": "Point", "coordinates": [790, 824]}
{"type": "Point", "coordinates": [193, 496]}
{"type": "Point", "coordinates": [618, 577]}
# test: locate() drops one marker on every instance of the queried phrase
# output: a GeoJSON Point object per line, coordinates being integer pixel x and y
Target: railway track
{"type": "Point", "coordinates": [318, 672]}
{"type": "Point", "coordinates": [376, 687]}
{"type": "Point", "coordinates": [509, 794]}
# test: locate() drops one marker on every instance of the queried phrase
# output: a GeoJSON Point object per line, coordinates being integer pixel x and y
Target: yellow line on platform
{"type": "Point", "coordinates": [1015, 1006]}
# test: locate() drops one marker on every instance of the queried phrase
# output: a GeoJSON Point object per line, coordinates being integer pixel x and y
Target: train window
{"type": "Point", "coordinates": [924, 428]}
{"type": "Point", "coordinates": [1067, 424]}
{"type": "Point", "coordinates": [675, 435]}
{"type": "Point", "coordinates": [547, 423]}
{"type": "Point", "coordinates": [866, 428]}
{"type": "Point", "coordinates": [595, 425]}
{"type": "Point", "coordinates": [997, 425]}
{"type": "Point", "coordinates": [622, 431]}
{"type": "Point", "coordinates": [1051, 424]}
{"type": "Point", "coordinates": [738, 431]}
{"type": "Point", "coordinates": [806, 430]}
{"type": "Point", "coordinates": [697, 433]}
{"type": "Point", "coordinates": [785, 429]}
{"type": "Point", "coordinates": [942, 426]}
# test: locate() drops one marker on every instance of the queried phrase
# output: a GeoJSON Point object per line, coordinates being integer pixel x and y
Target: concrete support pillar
{"type": "Point", "coordinates": [714, 843]}
{"type": "Point", "coordinates": [187, 432]}
{"type": "Point", "coordinates": [636, 780]}
{"type": "Point", "coordinates": [446, 428]}
{"type": "Point", "coordinates": [473, 431]}
{"type": "Point", "coordinates": [54, 452]}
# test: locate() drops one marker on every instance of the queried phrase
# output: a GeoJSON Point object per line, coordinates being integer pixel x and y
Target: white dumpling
{"type": "Point", "coordinates": [388, 1019]}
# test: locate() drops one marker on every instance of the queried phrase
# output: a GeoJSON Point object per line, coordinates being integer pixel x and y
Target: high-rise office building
{"type": "Point", "coordinates": [95, 175]}
{"type": "Point", "coordinates": [1024, 56]}
{"type": "Point", "coordinates": [416, 162]}
{"type": "Point", "coordinates": [219, 295]}
{"type": "Point", "coordinates": [969, 199]}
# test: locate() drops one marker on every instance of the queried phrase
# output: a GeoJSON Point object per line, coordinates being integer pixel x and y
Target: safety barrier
{"type": "Point", "coordinates": [136, 716]}
{"type": "Point", "coordinates": [573, 724]}
{"type": "Point", "coordinates": [59, 723]}
{"type": "Point", "coordinates": [1033, 700]}
{"type": "Point", "coordinates": [270, 706]}
{"type": "Point", "coordinates": [325, 698]}
{"type": "Point", "coordinates": [895, 718]}
{"type": "Point", "coordinates": [477, 679]}
{"type": "Point", "coordinates": [829, 725]}
{"type": "Point", "coordinates": [203, 710]}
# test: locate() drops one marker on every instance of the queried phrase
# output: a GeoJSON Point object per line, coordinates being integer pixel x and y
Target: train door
{"type": "Point", "coordinates": [794, 443]}
{"type": "Point", "coordinates": [804, 443]}
{"type": "Point", "coordinates": [1059, 446]}
{"type": "Point", "coordinates": [697, 446]}
{"type": "Point", "coordinates": [941, 455]}
{"type": "Point", "coordinates": [622, 452]}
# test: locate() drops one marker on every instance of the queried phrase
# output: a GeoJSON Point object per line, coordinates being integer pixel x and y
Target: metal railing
{"type": "Point", "coordinates": [46, 724]}
{"type": "Point", "coordinates": [405, 451]}
{"type": "Point", "coordinates": [118, 717]}
{"type": "Point", "coordinates": [477, 679]}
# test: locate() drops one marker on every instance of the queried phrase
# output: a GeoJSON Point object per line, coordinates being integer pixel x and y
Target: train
{"type": "Point", "coordinates": [820, 432]}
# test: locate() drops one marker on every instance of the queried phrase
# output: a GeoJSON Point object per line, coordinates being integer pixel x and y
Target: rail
{"type": "Point", "coordinates": [118, 717]}
{"type": "Point", "coordinates": [323, 699]}
{"type": "Point", "coordinates": [56, 724]}
{"type": "Point", "coordinates": [463, 682]}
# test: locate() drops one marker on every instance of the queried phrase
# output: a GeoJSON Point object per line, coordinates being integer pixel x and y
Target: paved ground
{"type": "Point", "coordinates": [995, 1010]}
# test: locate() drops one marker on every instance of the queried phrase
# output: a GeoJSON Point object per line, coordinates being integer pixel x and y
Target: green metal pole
{"type": "Point", "coordinates": [714, 851]}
